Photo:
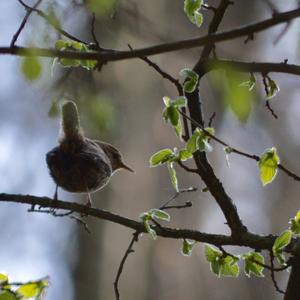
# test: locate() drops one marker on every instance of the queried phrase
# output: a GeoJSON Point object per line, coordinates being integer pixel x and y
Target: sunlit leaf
{"type": "Point", "coordinates": [252, 264]}
{"type": "Point", "coordinates": [211, 253]}
{"type": "Point", "coordinates": [102, 7]}
{"type": "Point", "coordinates": [295, 223]}
{"type": "Point", "coordinates": [191, 80]}
{"type": "Point", "coordinates": [160, 157]}
{"type": "Point", "coordinates": [191, 8]}
{"type": "Point", "coordinates": [31, 67]}
{"type": "Point", "coordinates": [173, 175]}
{"type": "Point", "coordinates": [268, 164]}
{"type": "Point", "coordinates": [280, 243]}
{"type": "Point", "coordinates": [184, 155]}
{"type": "Point", "coordinates": [3, 278]}
{"type": "Point", "coordinates": [7, 295]}
{"type": "Point", "coordinates": [159, 214]}
{"type": "Point", "coordinates": [187, 247]}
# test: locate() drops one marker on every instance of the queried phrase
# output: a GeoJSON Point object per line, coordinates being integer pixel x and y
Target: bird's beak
{"type": "Point", "coordinates": [123, 166]}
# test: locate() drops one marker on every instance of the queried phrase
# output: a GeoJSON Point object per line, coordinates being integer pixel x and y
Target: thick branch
{"type": "Point", "coordinates": [161, 48]}
{"type": "Point", "coordinates": [251, 67]}
{"type": "Point", "coordinates": [247, 239]}
{"type": "Point", "coordinates": [204, 168]}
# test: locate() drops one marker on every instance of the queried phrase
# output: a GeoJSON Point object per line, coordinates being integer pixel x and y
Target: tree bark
{"type": "Point", "coordinates": [293, 287]}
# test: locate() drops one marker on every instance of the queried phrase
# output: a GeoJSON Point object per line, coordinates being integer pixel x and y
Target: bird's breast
{"type": "Point", "coordinates": [85, 170]}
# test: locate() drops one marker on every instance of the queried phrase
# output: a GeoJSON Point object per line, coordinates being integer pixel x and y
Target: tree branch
{"type": "Point", "coordinates": [247, 239]}
{"type": "Point", "coordinates": [110, 55]}
{"type": "Point", "coordinates": [24, 21]}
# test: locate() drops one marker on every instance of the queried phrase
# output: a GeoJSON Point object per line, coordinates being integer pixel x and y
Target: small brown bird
{"type": "Point", "coordinates": [79, 164]}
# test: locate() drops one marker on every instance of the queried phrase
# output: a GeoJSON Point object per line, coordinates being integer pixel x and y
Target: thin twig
{"type": "Point", "coordinates": [187, 204]}
{"type": "Point", "coordinates": [188, 190]}
{"type": "Point", "coordinates": [23, 23]}
{"type": "Point", "coordinates": [212, 117]}
{"type": "Point", "coordinates": [268, 106]}
{"type": "Point", "coordinates": [242, 153]}
{"type": "Point", "coordinates": [273, 274]}
{"type": "Point", "coordinates": [121, 266]}
{"type": "Point", "coordinates": [160, 48]}
{"type": "Point", "coordinates": [97, 45]}
{"type": "Point", "coordinates": [50, 21]}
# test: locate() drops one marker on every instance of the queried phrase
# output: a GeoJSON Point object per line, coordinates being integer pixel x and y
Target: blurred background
{"type": "Point", "coordinates": [122, 104]}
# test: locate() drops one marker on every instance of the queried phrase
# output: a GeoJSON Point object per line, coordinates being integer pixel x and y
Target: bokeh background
{"type": "Point", "coordinates": [122, 104]}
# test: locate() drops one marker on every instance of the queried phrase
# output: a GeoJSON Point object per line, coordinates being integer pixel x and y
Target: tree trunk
{"type": "Point", "coordinates": [293, 287]}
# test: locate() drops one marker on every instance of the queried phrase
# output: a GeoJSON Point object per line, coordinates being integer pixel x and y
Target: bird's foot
{"type": "Point", "coordinates": [55, 200]}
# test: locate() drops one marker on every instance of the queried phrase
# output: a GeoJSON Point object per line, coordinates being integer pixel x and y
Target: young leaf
{"type": "Point", "coordinates": [211, 254]}
{"type": "Point", "coordinates": [180, 101]}
{"type": "Point", "coordinates": [250, 84]}
{"type": "Point", "coordinates": [192, 143]}
{"type": "Point", "coordinates": [160, 157]}
{"type": "Point", "coordinates": [167, 101]}
{"type": "Point", "coordinates": [191, 80]}
{"type": "Point", "coordinates": [173, 115]}
{"type": "Point", "coordinates": [191, 8]}
{"type": "Point", "coordinates": [282, 241]}
{"type": "Point", "coordinates": [28, 290]}
{"type": "Point", "coordinates": [173, 175]}
{"type": "Point", "coordinates": [151, 231]}
{"type": "Point", "coordinates": [159, 214]}
{"type": "Point", "coordinates": [250, 265]}
{"type": "Point", "coordinates": [187, 247]}
{"type": "Point", "coordinates": [272, 89]}
{"type": "Point", "coordinates": [268, 164]}
{"type": "Point", "coordinates": [7, 295]}
{"type": "Point", "coordinates": [229, 266]}
{"type": "Point", "coordinates": [3, 279]}
{"type": "Point", "coordinates": [184, 155]}
{"type": "Point", "coordinates": [31, 68]}
{"type": "Point", "coordinates": [295, 223]}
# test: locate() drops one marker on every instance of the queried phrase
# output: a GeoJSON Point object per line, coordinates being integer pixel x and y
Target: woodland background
{"type": "Point", "coordinates": [122, 104]}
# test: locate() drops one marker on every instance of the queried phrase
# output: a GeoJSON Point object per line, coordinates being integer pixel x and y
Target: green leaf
{"type": "Point", "coordinates": [250, 265]}
{"type": "Point", "coordinates": [61, 44]}
{"type": "Point", "coordinates": [173, 175]}
{"type": "Point", "coordinates": [272, 89]}
{"type": "Point", "coordinates": [282, 241]}
{"type": "Point", "coordinates": [178, 129]}
{"type": "Point", "coordinates": [192, 143]}
{"type": "Point", "coordinates": [211, 253]}
{"type": "Point", "coordinates": [28, 290]}
{"type": "Point", "coordinates": [191, 80]}
{"type": "Point", "coordinates": [250, 84]}
{"type": "Point", "coordinates": [151, 231]}
{"type": "Point", "coordinates": [31, 68]}
{"type": "Point", "coordinates": [167, 101]}
{"type": "Point", "coordinates": [184, 155]}
{"type": "Point", "coordinates": [229, 266]}
{"type": "Point", "coordinates": [102, 7]}
{"type": "Point", "coordinates": [3, 278]}
{"type": "Point", "coordinates": [159, 214]}
{"type": "Point", "coordinates": [295, 223]}
{"type": "Point", "coordinates": [198, 17]}
{"type": "Point", "coordinates": [173, 115]}
{"type": "Point", "coordinates": [7, 295]}
{"type": "Point", "coordinates": [187, 247]}
{"type": "Point", "coordinates": [191, 8]}
{"type": "Point", "coordinates": [180, 102]}
{"type": "Point", "coordinates": [161, 157]}
{"type": "Point", "coordinates": [268, 164]}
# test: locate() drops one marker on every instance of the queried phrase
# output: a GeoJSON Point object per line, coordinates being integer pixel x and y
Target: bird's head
{"type": "Point", "coordinates": [115, 157]}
